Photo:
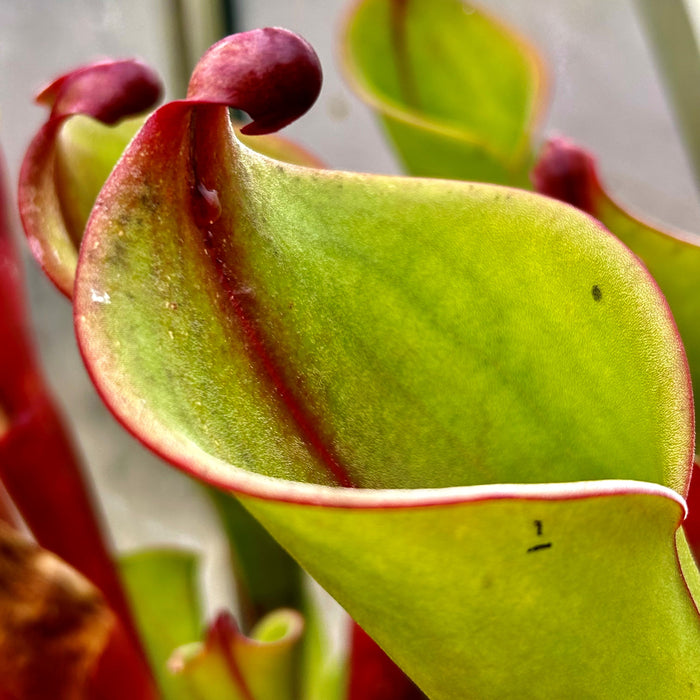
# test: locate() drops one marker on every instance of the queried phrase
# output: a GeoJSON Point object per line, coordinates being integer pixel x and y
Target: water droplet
{"type": "Point", "coordinates": [98, 298]}
{"type": "Point", "coordinates": [206, 206]}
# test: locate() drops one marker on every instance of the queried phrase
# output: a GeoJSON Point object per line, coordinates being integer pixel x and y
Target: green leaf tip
{"type": "Point", "coordinates": [230, 665]}
{"type": "Point", "coordinates": [458, 93]}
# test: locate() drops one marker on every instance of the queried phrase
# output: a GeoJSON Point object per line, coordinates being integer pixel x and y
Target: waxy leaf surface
{"type": "Point", "coordinates": [347, 330]}
{"type": "Point", "coordinates": [569, 173]}
{"type": "Point", "coordinates": [457, 92]}
{"type": "Point", "coordinates": [540, 592]}
{"type": "Point", "coordinates": [342, 349]}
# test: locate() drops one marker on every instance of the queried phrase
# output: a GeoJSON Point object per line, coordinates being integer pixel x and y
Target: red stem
{"type": "Point", "coordinates": [39, 470]}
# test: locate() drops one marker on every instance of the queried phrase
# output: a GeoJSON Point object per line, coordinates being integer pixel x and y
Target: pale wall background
{"type": "Point", "coordinates": [605, 94]}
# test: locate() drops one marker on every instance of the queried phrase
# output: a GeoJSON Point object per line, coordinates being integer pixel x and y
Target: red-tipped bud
{"type": "Point", "coordinates": [106, 90]}
{"type": "Point", "coordinates": [272, 74]}
{"type": "Point", "coordinates": [566, 172]}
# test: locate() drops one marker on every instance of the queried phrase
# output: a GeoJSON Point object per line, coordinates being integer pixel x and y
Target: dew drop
{"type": "Point", "coordinates": [100, 297]}
{"type": "Point", "coordinates": [206, 206]}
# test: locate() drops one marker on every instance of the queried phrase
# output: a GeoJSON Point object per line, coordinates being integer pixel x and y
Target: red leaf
{"type": "Point", "coordinates": [567, 173]}
{"type": "Point", "coordinates": [691, 524]}
{"type": "Point", "coordinates": [42, 475]}
{"type": "Point", "coordinates": [106, 90]}
{"type": "Point", "coordinates": [373, 675]}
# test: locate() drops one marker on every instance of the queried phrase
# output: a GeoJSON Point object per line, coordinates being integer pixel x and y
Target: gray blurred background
{"type": "Point", "coordinates": [605, 93]}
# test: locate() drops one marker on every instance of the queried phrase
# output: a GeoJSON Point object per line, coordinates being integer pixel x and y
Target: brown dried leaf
{"type": "Point", "coordinates": [54, 624]}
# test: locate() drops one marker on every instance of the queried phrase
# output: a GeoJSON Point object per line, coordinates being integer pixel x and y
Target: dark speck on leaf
{"type": "Point", "coordinates": [148, 201]}
{"type": "Point", "coordinates": [597, 294]}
